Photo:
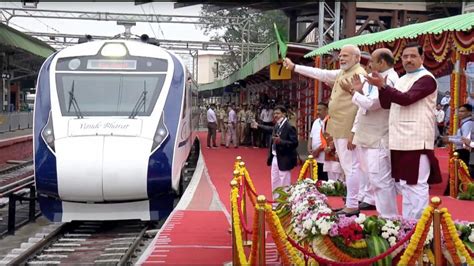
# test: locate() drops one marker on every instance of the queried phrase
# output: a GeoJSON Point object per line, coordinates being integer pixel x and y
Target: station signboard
{"type": "Point", "coordinates": [279, 72]}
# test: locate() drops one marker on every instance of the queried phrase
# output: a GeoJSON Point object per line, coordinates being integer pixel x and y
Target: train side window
{"type": "Point", "coordinates": [187, 88]}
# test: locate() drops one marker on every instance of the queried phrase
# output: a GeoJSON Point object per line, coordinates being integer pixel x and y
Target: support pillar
{"type": "Point", "coordinates": [292, 27]}
{"type": "Point", "coordinates": [350, 19]}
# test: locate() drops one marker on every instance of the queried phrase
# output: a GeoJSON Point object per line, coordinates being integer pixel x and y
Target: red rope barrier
{"type": "Point", "coordinates": [255, 193]}
{"type": "Point", "coordinates": [239, 205]}
{"type": "Point", "coordinates": [360, 262]}
{"type": "Point", "coordinates": [469, 251]}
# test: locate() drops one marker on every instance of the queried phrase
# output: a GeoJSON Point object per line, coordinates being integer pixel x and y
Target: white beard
{"type": "Point", "coordinates": [344, 67]}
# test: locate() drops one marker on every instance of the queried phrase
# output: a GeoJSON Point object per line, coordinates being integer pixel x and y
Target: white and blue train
{"type": "Point", "coordinates": [113, 126]}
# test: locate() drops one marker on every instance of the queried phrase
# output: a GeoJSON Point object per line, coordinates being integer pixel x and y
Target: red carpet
{"type": "Point", "coordinates": [199, 233]}
{"type": "Point", "coordinates": [220, 164]}
{"type": "Point", "coordinates": [193, 237]}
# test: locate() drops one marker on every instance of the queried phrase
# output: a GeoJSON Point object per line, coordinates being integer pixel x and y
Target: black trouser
{"type": "Point", "coordinates": [211, 134]}
{"type": "Point", "coordinates": [321, 174]}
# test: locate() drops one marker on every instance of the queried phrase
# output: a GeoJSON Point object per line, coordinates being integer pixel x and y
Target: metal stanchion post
{"type": "Point", "coordinates": [261, 229]}
{"type": "Point", "coordinates": [238, 159]}
{"type": "Point", "coordinates": [11, 214]}
{"type": "Point", "coordinates": [243, 181]}
{"type": "Point", "coordinates": [310, 158]}
{"type": "Point", "coordinates": [235, 256]}
{"type": "Point", "coordinates": [32, 209]}
{"type": "Point", "coordinates": [456, 175]}
{"type": "Point", "coordinates": [435, 202]}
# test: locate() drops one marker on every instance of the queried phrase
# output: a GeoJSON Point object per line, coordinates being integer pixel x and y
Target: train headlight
{"type": "Point", "coordinates": [161, 133]}
{"type": "Point", "coordinates": [114, 50]}
{"type": "Point", "coordinates": [48, 133]}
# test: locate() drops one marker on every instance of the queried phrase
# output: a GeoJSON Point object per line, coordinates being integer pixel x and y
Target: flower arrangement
{"type": "Point", "coordinates": [466, 233]}
{"type": "Point", "coordinates": [331, 187]}
{"type": "Point", "coordinates": [310, 221]}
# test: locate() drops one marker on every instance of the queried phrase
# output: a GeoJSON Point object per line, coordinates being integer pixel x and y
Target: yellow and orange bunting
{"type": "Point", "coordinates": [417, 240]}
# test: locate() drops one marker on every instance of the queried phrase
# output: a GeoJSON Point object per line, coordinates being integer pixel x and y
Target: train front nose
{"type": "Point", "coordinates": [79, 167]}
{"type": "Point", "coordinates": [102, 168]}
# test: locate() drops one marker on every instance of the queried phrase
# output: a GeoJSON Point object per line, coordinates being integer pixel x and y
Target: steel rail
{"type": "Point", "coordinates": [126, 257]}
{"type": "Point", "coordinates": [10, 188]}
{"type": "Point", "coordinates": [34, 249]}
{"type": "Point", "coordinates": [15, 167]}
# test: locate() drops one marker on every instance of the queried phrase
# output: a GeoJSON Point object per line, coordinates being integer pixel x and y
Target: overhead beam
{"type": "Point", "coordinates": [71, 39]}
{"type": "Point", "coordinates": [10, 13]}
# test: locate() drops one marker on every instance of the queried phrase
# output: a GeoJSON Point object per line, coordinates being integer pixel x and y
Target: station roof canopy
{"type": "Point", "coordinates": [9, 37]}
{"type": "Point", "coordinates": [463, 22]}
{"type": "Point", "coordinates": [261, 61]}
{"type": "Point", "coordinates": [25, 54]}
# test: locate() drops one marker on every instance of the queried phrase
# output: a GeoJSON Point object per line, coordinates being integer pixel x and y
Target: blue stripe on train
{"type": "Point", "coordinates": [45, 161]}
{"type": "Point", "coordinates": [160, 162]}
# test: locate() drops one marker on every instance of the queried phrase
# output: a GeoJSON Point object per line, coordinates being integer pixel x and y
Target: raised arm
{"type": "Point", "coordinates": [419, 90]}
{"type": "Point", "coordinates": [323, 75]}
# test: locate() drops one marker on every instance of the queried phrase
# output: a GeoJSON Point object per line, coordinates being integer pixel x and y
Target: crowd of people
{"type": "Point", "coordinates": [233, 122]}
{"type": "Point", "coordinates": [377, 133]}
{"type": "Point", "coordinates": [381, 128]}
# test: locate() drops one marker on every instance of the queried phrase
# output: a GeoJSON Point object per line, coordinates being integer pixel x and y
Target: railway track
{"type": "Point", "coordinates": [14, 166]}
{"type": "Point", "coordinates": [101, 243]}
{"type": "Point", "coordinates": [14, 177]}
{"type": "Point", "coordinates": [16, 188]}
{"type": "Point", "coordinates": [86, 242]}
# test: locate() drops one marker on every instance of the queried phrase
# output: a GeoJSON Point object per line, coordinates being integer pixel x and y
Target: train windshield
{"type": "Point", "coordinates": [108, 94]}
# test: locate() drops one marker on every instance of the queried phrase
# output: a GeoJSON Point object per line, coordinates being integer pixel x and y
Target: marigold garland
{"type": "Point", "coordinates": [254, 249]}
{"type": "Point", "coordinates": [459, 246]}
{"type": "Point", "coordinates": [280, 238]}
{"type": "Point", "coordinates": [304, 169]}
{"type": "Point", "coordinates": [430, 255]}
{"type": "Point", "coordinates": [248, 181]}
{"type": "Point", "coordinates": [449, 242]}
{"type": "Point", "coordinates": [336, 252]}
{"type": "Point", "coordinates": [236, 227]}
{"type": "Point", "coordinates": [452, 188]}
{"type": "Point", "coordinates": [358, 244]}
{"type": "Point", "coordinates": [455, 99]}
{"type": "Point", "coordinates": [464, 175]}
{"type": "Point", "coordinates": [415, 247]}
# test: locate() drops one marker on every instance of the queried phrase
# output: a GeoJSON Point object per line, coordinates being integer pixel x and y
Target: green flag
{"type": "Point", "coordinates": [281, 44]}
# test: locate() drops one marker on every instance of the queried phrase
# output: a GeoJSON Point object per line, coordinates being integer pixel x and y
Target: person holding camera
{"type": "Point", "coordinates": [282, 155]}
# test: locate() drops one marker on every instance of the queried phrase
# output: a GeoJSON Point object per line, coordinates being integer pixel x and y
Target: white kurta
{"type": "Point", "coordinates": [371, 138]}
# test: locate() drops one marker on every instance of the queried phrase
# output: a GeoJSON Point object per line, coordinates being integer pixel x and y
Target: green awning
{"type": "Point", "coordinates": [455, 23]}
{"type": "Point", "coordinates": [16, 39]}
{"type": "Point", "coordinates": [264, 58]}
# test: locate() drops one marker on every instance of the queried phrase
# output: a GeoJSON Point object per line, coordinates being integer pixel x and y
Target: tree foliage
{"type": "Point", "coordinates": [261, 31]}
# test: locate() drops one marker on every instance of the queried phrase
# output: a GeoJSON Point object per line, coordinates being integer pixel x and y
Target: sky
{"type": "Point", "coordinates": [109, 28]}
